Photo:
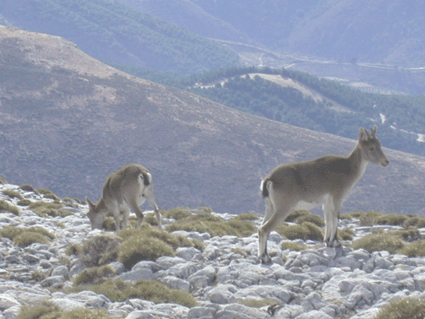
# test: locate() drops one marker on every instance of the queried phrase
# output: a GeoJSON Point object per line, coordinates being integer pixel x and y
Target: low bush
{"type": "Point", "coordinates": [48, 310]}
{"type": "Point", "coordinates": [52, 209]}
{"type": "Point", "coordinates": [98, 250]}
{"type": "Point", "coordinates": [296, 214]}
{"type": "Point", "coordinates": [12, 194]}
{"type": "Point", "coordinates": [246, 216]}
{"type": "Point", "coordinates": [391, 219]}
{"type": "Point", "coordinates": [176, 213]}
{"type": "Point", "coordinates": [381, 241]}
{"type": "Point", "coordinates": [3, 180]}
{"type": "Point", "coordinates": [5, 207]}
{"type": "Point", "coordinates": [119, 291]}
{"type": "Point", "coordinates": [24, 202]}
{"type": "Point", "coordinates": [24, 237]}
{"type": "Point", "coordinates": [28, 188]}
{"type": "Point", "coordinates": [407, 308]}
{"type": "Point", "coordinates": [369, 218]}
{"type": "Point", "coordinates": [345, 234]}
{"type": "Point", "coordinates": [414, 221]}
{"type": "Point", "coordinates": [48, 194]}
{"type": "Point", "coordinates": [415, 249]}
{"type": "Point", "coordinates": [293, 246]}
{"type": "Point", "coordinates": [303, 231]}
{"type": "Point", "coordinates": [215, 226]}
{"type": "Point", "coordinates": [137, 248]}
{"type": "Point", "coordinates": [311, 218]}
{"type": "Point", "coordinates": [94, 275]}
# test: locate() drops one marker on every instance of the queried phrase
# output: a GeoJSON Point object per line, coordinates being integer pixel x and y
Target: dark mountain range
{"type": "Point", "coordinates": [68, 120]}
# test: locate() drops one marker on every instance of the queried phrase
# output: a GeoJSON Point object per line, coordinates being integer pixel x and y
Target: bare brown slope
{"type": "Point", "coordinates": [67, 121]}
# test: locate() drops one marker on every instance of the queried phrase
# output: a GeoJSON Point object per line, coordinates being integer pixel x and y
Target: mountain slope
{"type": "Point", "coordinates": [67, 121]}
{"type": "Point", "coordinates": [114, 33]}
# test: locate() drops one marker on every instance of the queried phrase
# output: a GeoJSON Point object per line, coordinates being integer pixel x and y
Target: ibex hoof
{"type": "Point", "coordinates": [266, 259]}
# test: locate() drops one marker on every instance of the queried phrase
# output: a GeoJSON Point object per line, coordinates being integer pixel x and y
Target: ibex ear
{"type": "Point", "coordinates": [373, 131]}
{"type": "Point", "coordinates": [363, 134]}
{"type": "Point", "coordinates": [91, 205]}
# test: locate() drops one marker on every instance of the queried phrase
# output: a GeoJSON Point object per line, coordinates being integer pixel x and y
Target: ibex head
{"type": "Point", "coordinates": [371, 147]}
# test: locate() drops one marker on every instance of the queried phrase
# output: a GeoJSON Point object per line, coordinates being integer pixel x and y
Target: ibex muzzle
{"type": "Point", "coordinates": [326, 181]}
{"type": "Point", "coordinates": [124, 191]}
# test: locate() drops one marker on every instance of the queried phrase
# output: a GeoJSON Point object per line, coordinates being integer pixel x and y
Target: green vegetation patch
{"type": "Point", "coordinates": [412, 308]}
{"type": "Point", "coordinates": [53, 209]}
{"type": "Point", "coordinates": [303, 231]}
{"type": "Point", "coordinates": [5, 207]}
{"type": "Point", "coordinates": [214, 225]}
{"type": "Point", "coordinates": [48, 194]}
{"type": "Point", "coordinates": [293, 246]}
{"type": "Point", "coordinates": [97, 250]}
{"type": "Point", "coordinates": [415, 249]}
{"type": "Point", "coordinates": [176, 213]}
{"type": "Point", "coordinates": [345, 234]}
{"type": "Point", "coordinates": [119, 291]}
{"type": "Point", "coordinates": [48, 310]}
{"type": "Point", "coordinates": [12, 194]}
{"type": "Point", "coordinates": [28, 188]}
{"type": "Point", "coordinates": [94, 275]}
{"type": "Point", "coordinates": [381, 241]}
{"type": "Point", "coordinates": [24, 237]}
{"type": "Point", "coordinates": [3, 180]}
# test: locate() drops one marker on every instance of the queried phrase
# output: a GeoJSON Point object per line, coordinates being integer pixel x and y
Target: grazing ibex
{"type": "Point", "coordinates": [326, 181]}
{"type": "Point", "coordinates": [123, 191]}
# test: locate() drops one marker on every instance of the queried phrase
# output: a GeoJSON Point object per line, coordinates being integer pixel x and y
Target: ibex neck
{"type": "Point", "coordinates": [357, 162]}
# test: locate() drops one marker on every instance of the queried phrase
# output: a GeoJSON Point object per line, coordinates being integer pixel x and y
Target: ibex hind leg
{"type": "Point", "coordinates": [265, 229]}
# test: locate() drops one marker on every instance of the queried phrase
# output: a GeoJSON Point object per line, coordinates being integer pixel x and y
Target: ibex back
{"type": "Point", "coordinates": [123, 191]}
{"type": "Point", "coordinates": [326, 181]}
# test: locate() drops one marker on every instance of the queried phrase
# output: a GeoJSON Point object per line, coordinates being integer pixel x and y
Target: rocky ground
{"type": "Point", "coordinates": [226, 278]}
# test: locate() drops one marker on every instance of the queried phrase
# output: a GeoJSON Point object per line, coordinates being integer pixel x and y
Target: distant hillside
{"type": "Point", "coordinates": [67, 121]}
{"type": "Point", "coordinates": [376, 47]}
{"type": "Point", "coordinates": [114, 33]}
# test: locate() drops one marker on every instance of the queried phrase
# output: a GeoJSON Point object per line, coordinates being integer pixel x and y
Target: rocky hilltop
{"type": "Point", "coordinates": [68, 121]}
{"type": "Point", "coordinates": [51, 257]}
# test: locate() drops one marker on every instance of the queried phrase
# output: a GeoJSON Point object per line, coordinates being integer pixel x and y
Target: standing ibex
{"type": "Point", "coordinates": [326, 181]}
{"type": "Point", "coordinates": [123, 191]}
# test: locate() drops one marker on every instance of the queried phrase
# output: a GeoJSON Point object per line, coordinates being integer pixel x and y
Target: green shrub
{"type": "Point", "coordinates": [119, 291]}
{"type": "Point", "coordinates": [415, 249]}
{"type": "Point", "coordinates": [48, 310]}
{"type": "Point", "coordinates": [44, 209]}
{"type": "Point", "coordinates": [48, 194]}
{"type": "Point", "coordinates": [215, 226]}
{"type": "Point", "coordinates": [12, 194]}
{"type": "Point", "coordinates": [176, 213]}
{"type": "Point", "coordinates": [345, 234]}
{"type": "Point", "coordinates": [312, 218]}
{"type": "Point", "coordinates": [5, 207]}
{"type": "Point", "coordinates": [381, 241]}
{"type": "Point", "coordinates": [98, 250]}
{"type": "Point", "coordinates": [138, 248]}
{"type": "Point", "coordinates": [369, 218]}
{"type": "Point", "coordinates": [24, 237]}
{"type": "Point", "coordinates": [94, 275]}
{"type": "Point", "coordinates": [28, 188]}
{"type": "Point", "coordinates": [296, 214]}
{"type": "Point", "coordinates": [3, 180]}
{"type": "Point", "coordinates": [304, 231]}
{"type": "Point", "coordinates": [414, 221]}
{"type": "Point", "coordinates": [407, 308]}
{"type": "Point", "coordinates": [27, 238]}
{"type": "Point", "coordinates": [246, 216]}
{"type": "Point", "coordinates": [37, 311]}
{"type": "Point", "coordinates": [293, 246]}
{"type": "Point", "coordinates": [346, 216]}
{"type": "Point", "coordinates": [391, 219]}
{"type": "Point", "coordinates": [24, 202]}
